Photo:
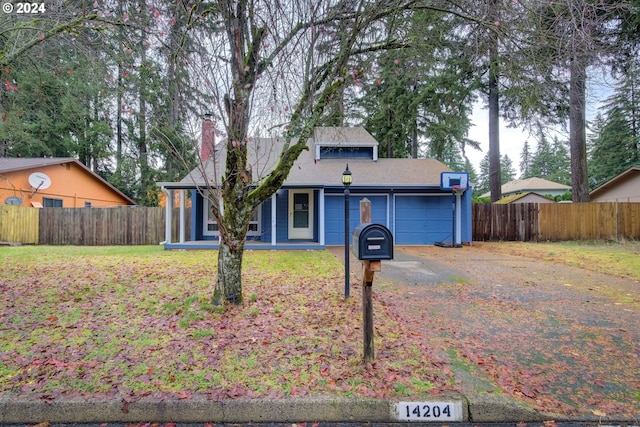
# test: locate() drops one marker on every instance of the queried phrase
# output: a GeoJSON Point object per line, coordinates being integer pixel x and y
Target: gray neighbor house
{"type": "Point", "coordinates": [307, 212]}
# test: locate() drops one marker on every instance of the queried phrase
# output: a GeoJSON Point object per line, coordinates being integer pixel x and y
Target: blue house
{"type": "Point", "coordinates": [307, 212]}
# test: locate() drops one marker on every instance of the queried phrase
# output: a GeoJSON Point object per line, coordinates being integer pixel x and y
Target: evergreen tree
{"type": "Point", "coordinates": [473, 176]}
{"type": "Point", "coordinates": [58, 106]}
{"type": "Point", "coordinates": [542, 160]}
{"type": "Point", "coordinates": [508, 171]}
{"type": "Point", "coordinates": [418, 98]}
{"type": "Point", "coordinates": [525, 160]}
{"type": "Point", "coordinates": [560, 170]}
{"type": "Point", "coordinates": [482, 183]}
{"type": "Point", "coordinates": [550, 160]}
{"type": "Point", "coordinates": [615, 146]}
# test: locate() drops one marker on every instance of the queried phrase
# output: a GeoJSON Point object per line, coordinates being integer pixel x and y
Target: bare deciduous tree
{"type": "Point", "coordinates": [274, 68]}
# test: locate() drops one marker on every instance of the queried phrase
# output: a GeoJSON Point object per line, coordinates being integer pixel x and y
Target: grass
{"type": "Point", "coordinates": [615, 258]}
{"type": "Point", "coordinates": [132, 321]}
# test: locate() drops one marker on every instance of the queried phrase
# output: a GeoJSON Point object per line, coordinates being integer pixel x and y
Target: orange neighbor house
{"type": "Point", "coordinates": [55, 182]}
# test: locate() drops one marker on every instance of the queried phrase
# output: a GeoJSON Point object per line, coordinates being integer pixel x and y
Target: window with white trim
{"type": "Point", "coordinates": [211, 226]}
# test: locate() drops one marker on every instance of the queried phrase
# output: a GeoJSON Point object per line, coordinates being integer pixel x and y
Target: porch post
{"type": "Point", "coordinates": [182, 222]}
{"type": "Point", "coordinates": [168, 220]}
{"type": "Point", "coordinates": [273, 219]}
{"type": "Point", "coordinates": [321, 217]}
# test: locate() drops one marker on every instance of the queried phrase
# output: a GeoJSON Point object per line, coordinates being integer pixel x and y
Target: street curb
{"type": "Point", "coordinates": [322, 408]}
{"type": "Point", "coordinates": [325, 408]}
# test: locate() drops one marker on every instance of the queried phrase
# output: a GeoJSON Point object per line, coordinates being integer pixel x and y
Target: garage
{"type": "Point", "coordinates": [423, 220]}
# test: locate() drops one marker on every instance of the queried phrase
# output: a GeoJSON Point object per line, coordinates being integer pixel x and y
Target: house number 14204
{"type": "Point", "coordinates": [424, 411]}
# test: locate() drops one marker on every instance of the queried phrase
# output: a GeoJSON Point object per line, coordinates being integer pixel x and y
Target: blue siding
{"type": "Point", "coordinates": [266, 221]}
{"type": "Point", "coordinates": [467, 225]}
{"type": "Point", "coordinates": [334, 215]}
{"type": "Point", "coordinates": [196, 216]}
{"type": "Point", "coordinates": [282, 216]}
{"type": "Point", "coordinates": [415, 219]}
{"type": "Point", "coordinates": [423, 220]}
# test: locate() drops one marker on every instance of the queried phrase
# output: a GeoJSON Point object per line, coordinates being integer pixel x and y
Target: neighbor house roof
{"type": "Point", "coordinates": [528, 197]}
{"type": "Point", "coordinates": [617, 181]}
{"type": "Point", "coordinates": [536, 185]}
{"type": "Point", "coordinates": [308, 171]}
{"type": "Point", "coordinates": [14, 164]}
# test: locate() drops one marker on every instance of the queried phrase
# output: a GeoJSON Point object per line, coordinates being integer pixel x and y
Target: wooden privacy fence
{"type": "Point", "coordinates": [18, 224]}
{"type": "Point", "coordinates": [505, 222]}
{"type": "Point", "coordinates": [145, 226]}
{"type": "Point", "coordinates": [561, 221]}
{"type": "Point", "coordinates": [87, 226]}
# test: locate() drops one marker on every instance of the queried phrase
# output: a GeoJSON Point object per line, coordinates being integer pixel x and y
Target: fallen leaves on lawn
{"type": "Point", "coordinates": [131, 326]}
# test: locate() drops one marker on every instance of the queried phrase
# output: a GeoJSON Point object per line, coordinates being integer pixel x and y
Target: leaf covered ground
{"type": "Point", "coordinates": [137, 322]}
{"type": "Point", "coordinates": [554, 325]}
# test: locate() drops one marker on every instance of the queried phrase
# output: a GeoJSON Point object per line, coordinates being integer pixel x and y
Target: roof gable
{"type": "Point", "coordinates": [531, 196]}
{"type": "Point", "coordinates": [633, 173]}
{"type": "Point", "coordinates": [537, 185]}
{"type": "Point", "coordinates": [16, 164]}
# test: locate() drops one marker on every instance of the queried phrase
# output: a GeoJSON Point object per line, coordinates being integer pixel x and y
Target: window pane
{"type": "Point", "coordinates": [48, 202]}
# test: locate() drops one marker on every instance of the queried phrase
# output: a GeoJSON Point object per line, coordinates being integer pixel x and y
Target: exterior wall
{"type": "Point", "coordinates": [69, 183]}
{"type": "Point", "coordinates": [282, 220]}
{"type": "Point", "coordinates": [434, 216]}
{"type": "Point", "coordinates": [467, 216]}
{"type": "Point", "coordinates": [626, 190]}
{"type": "Point", "coordinates": [334, 214]}
{"type": "Point", "coordinates": [265, 222]}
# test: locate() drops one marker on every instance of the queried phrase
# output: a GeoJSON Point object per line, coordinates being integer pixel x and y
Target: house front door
{"type": "Point", "coordinates": [300, 214]}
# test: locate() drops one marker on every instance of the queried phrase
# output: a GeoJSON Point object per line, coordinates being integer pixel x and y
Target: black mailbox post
{"type": "Point", "coordinates": [372, 242]}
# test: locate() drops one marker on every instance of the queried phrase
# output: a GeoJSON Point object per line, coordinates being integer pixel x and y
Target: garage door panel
{"type": "Point", "coordinates": [422, 220]}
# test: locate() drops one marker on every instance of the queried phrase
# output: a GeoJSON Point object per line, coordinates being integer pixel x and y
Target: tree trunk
{"type": "Point", "coordinates": [577, 124]}
{"type": "Point", "coordinates": [229, 281]}
{"type": "Point", "coordinates": [119, 96]}
{"type": "Point", "coordinates": [495, 181]}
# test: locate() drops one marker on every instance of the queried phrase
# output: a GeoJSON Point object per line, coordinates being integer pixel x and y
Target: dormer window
{"type": "Point", "coordinates": [338, 152]}
{"type": "Point", "coordinates": [345, 150]}
{"type": "Point", "coordinates": [344, 143]}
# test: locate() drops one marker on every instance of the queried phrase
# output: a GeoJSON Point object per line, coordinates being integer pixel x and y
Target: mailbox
{"type": "Point", "coordinates": [372, 242]}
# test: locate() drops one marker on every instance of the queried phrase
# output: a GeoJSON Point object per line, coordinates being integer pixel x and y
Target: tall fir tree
{"type": "Point", "coordinates": [616, 144]}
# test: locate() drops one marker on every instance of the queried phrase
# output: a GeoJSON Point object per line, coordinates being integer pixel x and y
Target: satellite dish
{"type": "Point", "coordinates": [13, 200]}
{"type": "Point", "coordinates": [39, 181]}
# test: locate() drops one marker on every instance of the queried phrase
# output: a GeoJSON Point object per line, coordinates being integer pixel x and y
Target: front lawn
{"type": "Point", "coordinates": [129, 322]}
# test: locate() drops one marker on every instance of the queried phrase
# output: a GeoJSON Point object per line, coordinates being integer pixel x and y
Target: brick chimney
{"type": "Point", "coordinates": [208, 146]}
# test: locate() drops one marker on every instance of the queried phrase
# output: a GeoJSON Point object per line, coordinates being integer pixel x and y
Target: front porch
{"type": "Point", "coordinates": [251, 245]}
{"type": "Point", "coordinates": [292, 219]}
